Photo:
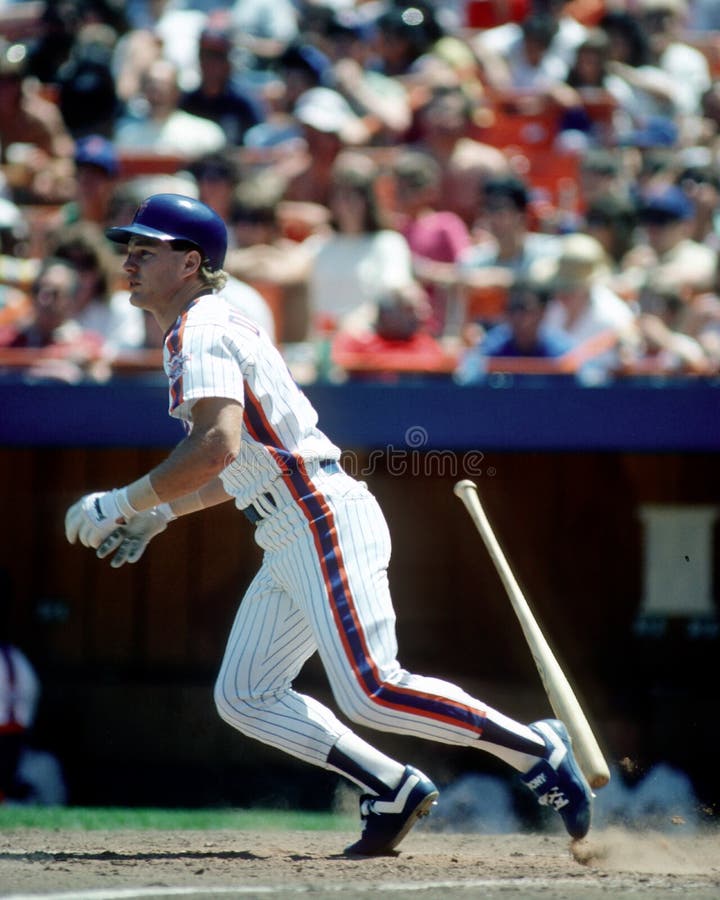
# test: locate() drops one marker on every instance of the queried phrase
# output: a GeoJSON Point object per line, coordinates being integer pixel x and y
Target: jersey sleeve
{"type": "Point", "coordinates": [203, 361]}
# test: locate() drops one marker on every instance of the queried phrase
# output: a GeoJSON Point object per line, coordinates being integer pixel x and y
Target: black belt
{"type": "Point", "coordinates": [255, 514]}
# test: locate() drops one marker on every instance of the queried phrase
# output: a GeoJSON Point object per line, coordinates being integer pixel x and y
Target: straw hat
{"type": "Point", "coordinates": [676, 7]}
{"type": "Point", "coordinates": [581, 262]}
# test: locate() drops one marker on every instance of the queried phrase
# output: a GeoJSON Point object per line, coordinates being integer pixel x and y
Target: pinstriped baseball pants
{"type": "Point", "coordinates": [323, 587]}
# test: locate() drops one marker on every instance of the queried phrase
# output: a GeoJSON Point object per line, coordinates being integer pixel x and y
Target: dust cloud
{"type": "Point", "coordinates": [625, 850]}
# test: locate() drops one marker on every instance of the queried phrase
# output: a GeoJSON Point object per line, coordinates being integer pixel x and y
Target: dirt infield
{"type": "Point", "coordinates": [120, 865]}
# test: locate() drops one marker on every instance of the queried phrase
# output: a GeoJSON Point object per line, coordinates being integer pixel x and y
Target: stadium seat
{"type": "Point", "coordinates": [520, 119]}
{"type": "Point", "coordinates": [490, 13]}
{"type": "Point", "coordinates": [483, 304]}
{"type": "Point", "coordinates": [134, 163]}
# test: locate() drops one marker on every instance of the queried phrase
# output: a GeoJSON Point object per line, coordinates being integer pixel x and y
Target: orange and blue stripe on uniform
{"type": "Point", "coordinates": [173, 343]}
{"type": "Point", "coordinates": [319, 516]}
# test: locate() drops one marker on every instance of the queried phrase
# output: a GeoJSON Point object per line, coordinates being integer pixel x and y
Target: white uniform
{"type": "Point", "coordinates": [19, 691]}
{"type": "Point", "coordinates": [323, 582]}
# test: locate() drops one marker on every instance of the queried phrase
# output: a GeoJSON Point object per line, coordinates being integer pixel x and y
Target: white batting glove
{"type": "Point", "coordinates": [129, 541]}
{"type": "Point", "coordinates": [95, 516]}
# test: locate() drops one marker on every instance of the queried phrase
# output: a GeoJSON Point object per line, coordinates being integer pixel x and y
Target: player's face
{"type": "Point", "coordinates": [154, 272]}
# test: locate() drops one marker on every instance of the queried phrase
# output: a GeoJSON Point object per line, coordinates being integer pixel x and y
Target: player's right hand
{"type": "Point", "coordinates": [128, 542]}
{"type": "Point", "coordinates": [92, 518]}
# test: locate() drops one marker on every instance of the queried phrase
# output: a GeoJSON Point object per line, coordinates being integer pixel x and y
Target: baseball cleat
{"type": "Point", "coordinates": [557, 780]}
{"type": "Point", "coordinates": [390, 816]}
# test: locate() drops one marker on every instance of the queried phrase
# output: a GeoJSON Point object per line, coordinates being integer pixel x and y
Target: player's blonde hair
{"type": "Point", "coordinates": [215, 279]}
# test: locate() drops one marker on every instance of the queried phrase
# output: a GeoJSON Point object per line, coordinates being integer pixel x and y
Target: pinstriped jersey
{"type": "Point", "coordinates": [212, 350]}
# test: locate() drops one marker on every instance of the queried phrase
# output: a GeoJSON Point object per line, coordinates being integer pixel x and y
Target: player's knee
{"type": "Point", "coordinates": [222, 704]}
{"type": "Point", "coordinates": [231, 706]}
{"type": "Point", "coordinates": [360, 707]}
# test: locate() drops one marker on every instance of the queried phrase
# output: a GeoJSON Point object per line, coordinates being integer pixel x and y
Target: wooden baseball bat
{"type": "Point", "coordinates": [560, 694]}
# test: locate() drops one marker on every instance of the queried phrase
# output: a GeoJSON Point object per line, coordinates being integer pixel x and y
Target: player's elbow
{"type": "Point", "coordinates": [221, 448]}
{"type": "Point", "coordinates": [216, 433]}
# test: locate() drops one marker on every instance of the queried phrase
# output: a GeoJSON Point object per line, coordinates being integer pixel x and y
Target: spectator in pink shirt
{"type": "Point", "coordinates": [436, 236]}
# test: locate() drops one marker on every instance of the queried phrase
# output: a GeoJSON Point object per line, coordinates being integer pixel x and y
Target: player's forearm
{"type": "Point", "coordinates": [211, 494]}
{"type": "Point", "coordinates": [192, 467]}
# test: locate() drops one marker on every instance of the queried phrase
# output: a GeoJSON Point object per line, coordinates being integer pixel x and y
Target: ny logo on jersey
{"type": "Point", "coordinates": [176, 366]}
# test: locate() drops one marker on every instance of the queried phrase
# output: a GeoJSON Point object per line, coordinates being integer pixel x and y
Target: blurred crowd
{"type": "Point", "coordinates": [452, 188]}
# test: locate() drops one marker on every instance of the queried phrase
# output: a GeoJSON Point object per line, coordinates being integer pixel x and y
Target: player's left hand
{"type": "Point", "coordinates": [128, 542]}
{"type": "Point", "coordinates": [93, 518]}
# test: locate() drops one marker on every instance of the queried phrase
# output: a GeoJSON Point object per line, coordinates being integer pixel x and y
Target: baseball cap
{"type": "Point", "coordinates": [501, 190]}
{"type": "Point", "coordinates": [307, 58]}
{"type": "Point", "coordinates": [655, 131]}
{"type": "Point", "coordinates": [668, 204]}
{"type": "Point", "coordinates": [327, 110]}
{"type": "Point", "coordinates": [95, 150]}
{"type": "Point", "coordinates": [175, 217]}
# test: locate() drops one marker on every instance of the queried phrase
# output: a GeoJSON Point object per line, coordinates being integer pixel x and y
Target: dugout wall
{"type": "Point", "coordinates": [128, 657]}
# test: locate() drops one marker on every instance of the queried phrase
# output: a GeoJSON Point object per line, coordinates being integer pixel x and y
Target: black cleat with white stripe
{"type": "Point", "coordinates": [388, 818]}
{"type": "Point", "coordinates": [556, 780]}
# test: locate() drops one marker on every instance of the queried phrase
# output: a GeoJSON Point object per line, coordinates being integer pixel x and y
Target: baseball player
{"type": "Point", "coordinates": [252, 437]}
{"type": "Point", "coordinates": [19, 693]}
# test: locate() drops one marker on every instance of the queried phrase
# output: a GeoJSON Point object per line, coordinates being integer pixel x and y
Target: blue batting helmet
{"type": "Point", "coordinates": [173, 217]}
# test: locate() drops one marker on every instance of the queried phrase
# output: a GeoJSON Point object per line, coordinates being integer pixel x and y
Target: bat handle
{"type": "Point", "coordinates": [462, 487]}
